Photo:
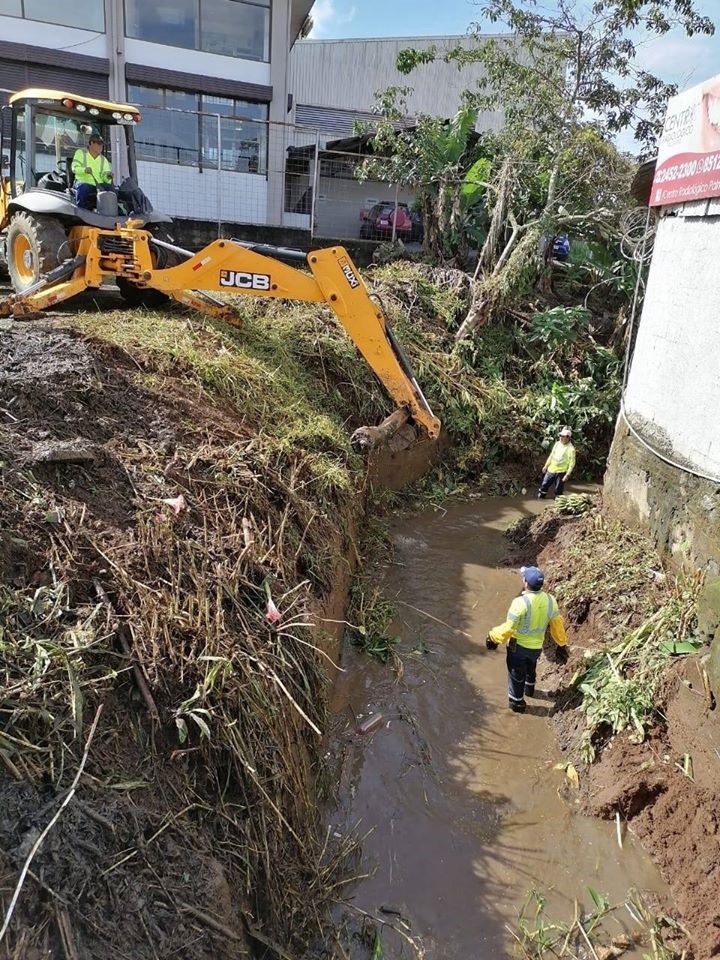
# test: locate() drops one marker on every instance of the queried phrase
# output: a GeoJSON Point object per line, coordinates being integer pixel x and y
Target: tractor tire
{"type": "Point", "coordinates": [140, 296]}
{"type": "Point", "coordinates": [34, 247]}
{"type": "Point", "coordinates": [143, 296]}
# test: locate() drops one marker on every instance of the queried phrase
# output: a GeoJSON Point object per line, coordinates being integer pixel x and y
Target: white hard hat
{"type": "Point", "coordinates": [566, 432]}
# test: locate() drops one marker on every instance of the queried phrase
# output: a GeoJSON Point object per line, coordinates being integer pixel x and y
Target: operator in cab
{"type": "Point", "coordinates": [91, 169]}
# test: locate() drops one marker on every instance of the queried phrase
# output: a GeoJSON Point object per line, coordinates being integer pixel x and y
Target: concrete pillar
{"type": "Point", "coordinates": [115, 38]}
{"type": "Point", "coordinates": [277, 134]}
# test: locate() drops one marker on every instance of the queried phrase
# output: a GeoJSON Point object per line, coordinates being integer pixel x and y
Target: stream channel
{"type": "Point", "coordinates": [466, 808]}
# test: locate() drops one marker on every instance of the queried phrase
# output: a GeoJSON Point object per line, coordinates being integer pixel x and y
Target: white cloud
{"type": "Point", "coordinates": [327, 15]}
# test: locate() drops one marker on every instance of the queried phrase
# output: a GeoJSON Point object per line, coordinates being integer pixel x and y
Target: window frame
{"type": "Point", "coordinates": [58, 23]}
{"type": "Point", "coordinates": [200, 163]}
{"type": "Point", "coordinates": [269, 6]}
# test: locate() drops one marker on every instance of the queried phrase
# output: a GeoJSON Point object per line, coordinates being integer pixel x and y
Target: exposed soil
{"type": "Point", "coordinates": [673, 814]}
{"type": "Point", "coordinates": [168, 849]}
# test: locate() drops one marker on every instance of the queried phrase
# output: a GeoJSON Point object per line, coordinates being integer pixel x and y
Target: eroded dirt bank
{"type": "Point", "coordinates": [662, 787]}
{"type": "Point", "coordinates": [146, 524]}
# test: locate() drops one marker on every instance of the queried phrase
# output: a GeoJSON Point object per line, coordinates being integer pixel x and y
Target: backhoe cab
{"type": "Point", "coordinates": [40, 132]}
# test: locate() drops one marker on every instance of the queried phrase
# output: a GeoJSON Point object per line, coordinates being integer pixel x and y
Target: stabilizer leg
{"type": "Point", "coordinates": [51, 289]}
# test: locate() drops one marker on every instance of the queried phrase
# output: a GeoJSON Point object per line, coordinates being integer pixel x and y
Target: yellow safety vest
{"type": "Point", "coordinates": [562, 458]}
{"type": "Point", "coordinates": [100, 166]}
{"type": "Point", "coordinates": [530, 614]}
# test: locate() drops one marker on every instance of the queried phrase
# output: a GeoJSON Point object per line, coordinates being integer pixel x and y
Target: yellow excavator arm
{"type": "Point", "coordinates": [232, 267]}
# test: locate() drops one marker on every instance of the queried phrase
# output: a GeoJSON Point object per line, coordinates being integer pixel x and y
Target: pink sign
{"type": "Point", "coordinates": [688, 163]}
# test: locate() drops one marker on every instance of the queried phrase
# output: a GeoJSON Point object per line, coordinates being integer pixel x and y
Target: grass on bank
{"type": "Point", "coordinates": [502, 395]}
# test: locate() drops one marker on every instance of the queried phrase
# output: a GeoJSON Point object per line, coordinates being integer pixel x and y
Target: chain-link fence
{"type": "Point", "coordinates": [229, 174]}
{"type": "Point", "coordinates": [238, 171]}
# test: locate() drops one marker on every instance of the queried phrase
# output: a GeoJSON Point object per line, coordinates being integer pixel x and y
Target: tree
{"type": "Point", "coordinates": [440, 160]}
{"type": "Point", "coordinates": [567, 82]}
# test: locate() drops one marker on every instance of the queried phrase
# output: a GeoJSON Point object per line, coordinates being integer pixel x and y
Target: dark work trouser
{"type": "Point", "coordinates": [522, 666]}
{"type": "Point", "coordinates": [550, 479]}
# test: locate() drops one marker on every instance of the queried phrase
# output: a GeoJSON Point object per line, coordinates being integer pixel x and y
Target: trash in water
{"type": "Point", "coordinates": [372, 723]}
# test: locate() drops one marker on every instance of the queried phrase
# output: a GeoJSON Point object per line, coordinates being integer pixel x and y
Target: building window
{"type": "Point", "coordinates": [190, 137]}
{"type": "Point", "coordinates": [87, 14]}
{"type": "Point", "coordinates": [232, 28]}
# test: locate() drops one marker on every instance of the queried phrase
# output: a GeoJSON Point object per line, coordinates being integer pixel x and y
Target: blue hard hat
{"type": "Point", "coordinates": [533, 576]}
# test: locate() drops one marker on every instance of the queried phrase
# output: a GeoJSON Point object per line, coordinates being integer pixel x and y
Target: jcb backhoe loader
{"type": "Point", "coordinates": [56, 250]}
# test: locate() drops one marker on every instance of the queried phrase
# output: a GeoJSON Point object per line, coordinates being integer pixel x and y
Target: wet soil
{"type": "Point", "coordinates": [674, 816]}
{"type": "Point", "coordinates": [466, 810]}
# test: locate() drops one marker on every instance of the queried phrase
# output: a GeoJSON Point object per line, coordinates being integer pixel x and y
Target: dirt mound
{"type": "Point", "coordinates": [675, 820]}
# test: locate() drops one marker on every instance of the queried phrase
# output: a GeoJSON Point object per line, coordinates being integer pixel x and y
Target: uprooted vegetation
{"type": "Point", "coordinates": [634, 709]}
{"type": "Point", "coordinates": [634, 622]}
{"type": "Point", "coordinates": [167, 482]}
{"type": "Point", "coordinates": [185, 827]}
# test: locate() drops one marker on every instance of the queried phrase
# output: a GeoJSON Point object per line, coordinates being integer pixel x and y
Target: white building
{"type": "Point", "coordinates": [222, 57]}
{"type": "Point", "coordinates": [235, 111]}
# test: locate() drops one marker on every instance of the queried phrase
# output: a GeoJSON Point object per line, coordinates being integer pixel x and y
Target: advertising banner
{"type": "Point", "coordinates": [688, 163]}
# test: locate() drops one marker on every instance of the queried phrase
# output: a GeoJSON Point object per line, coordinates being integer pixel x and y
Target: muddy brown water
{"type": "Point", "coordinates": [460, 794]}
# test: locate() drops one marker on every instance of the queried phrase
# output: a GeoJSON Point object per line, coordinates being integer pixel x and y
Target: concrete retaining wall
{"type": "Point", "coordinates": [681, 512]}
{"type": "Point", "coordinates": [672, 402]}
{"type": "Point", "coordinates": [674, 386]}
{"type": "Point", "coordinates": [673, 395]}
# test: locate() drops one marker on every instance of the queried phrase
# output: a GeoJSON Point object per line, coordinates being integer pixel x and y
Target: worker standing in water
{"type": "Point", "coordinates": [559, 465]}
{"type": "Point", "coordinates": [528, 618]}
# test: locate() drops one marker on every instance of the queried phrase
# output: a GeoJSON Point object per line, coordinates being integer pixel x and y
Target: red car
{"type": "Point", "coordinates": [378, 224]}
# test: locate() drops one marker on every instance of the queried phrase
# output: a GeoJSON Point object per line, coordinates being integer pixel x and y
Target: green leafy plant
{"type": "Point", "coordinates": [619, 683]}
{"type": "Point", "coordinates": [558, 327]}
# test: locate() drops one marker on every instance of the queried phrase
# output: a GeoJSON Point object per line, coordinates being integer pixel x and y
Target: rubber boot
{"type": "Point", "coordinates": [516, 707]}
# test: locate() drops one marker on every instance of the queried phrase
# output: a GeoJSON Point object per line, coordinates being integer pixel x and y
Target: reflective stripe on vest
{"type": "Point", "coordinates": [88, 161]}
{"type": "Point", "coordinates": [530, 629]}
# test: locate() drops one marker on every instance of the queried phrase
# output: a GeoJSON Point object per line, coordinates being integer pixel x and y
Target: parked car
{"type": "Point", "coordinates": [378, 225]}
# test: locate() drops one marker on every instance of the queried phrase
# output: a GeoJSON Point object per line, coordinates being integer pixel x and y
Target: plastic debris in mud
{"type": "Point", "coordinates": [176, 504]}
{"type": "Point", "coordinates": [372, 723]}
{"type": "Point", "coordinates": [272, 614]}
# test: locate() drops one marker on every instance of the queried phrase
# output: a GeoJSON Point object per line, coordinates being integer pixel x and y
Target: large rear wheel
{"type": "Point", "coordinates": [34, 247]}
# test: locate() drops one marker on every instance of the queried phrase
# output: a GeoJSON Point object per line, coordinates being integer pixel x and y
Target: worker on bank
{"type": "Point", "coordinates": [528, 618]}
{"type": "Point", "coordinates": [91, 169]}
{"type": "Point", "coordinates": [559, 465]}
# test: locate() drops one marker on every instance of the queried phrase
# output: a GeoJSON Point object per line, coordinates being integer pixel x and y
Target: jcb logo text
{"type": "Point", "coordinates": [349, 275]}
{"type": "Point", "coordinates": [244, 281]}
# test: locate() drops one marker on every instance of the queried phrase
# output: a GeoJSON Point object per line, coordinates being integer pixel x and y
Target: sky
{"type": "Point", "coordinates": [674, 57]}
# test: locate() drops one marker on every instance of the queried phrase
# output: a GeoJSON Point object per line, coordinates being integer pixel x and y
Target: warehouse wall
{"type": "Point", "coordinates": [346, 75]}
